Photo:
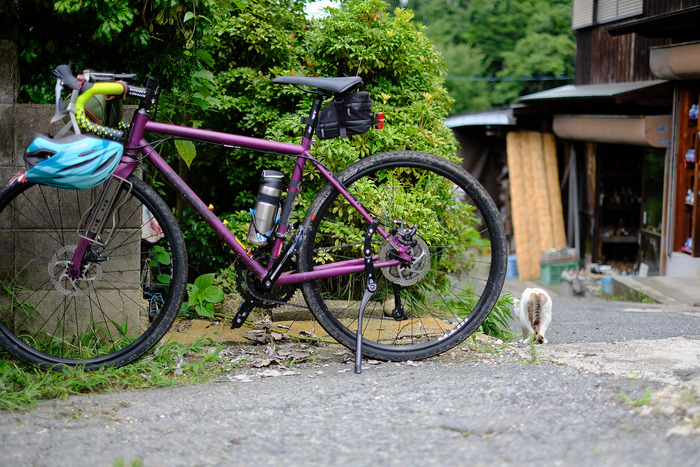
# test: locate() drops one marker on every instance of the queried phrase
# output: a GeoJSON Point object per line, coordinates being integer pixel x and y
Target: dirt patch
{"type": "Point", "coordinates": [661, 360]}
{"type": "Point", "coordinates": [287, 344]}
{"type": "Point", "coordinates": [674, 363]}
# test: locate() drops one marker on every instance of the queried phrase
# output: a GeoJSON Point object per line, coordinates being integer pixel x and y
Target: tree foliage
{"type": "Point", "coordinates": [148, 37]}
{"type": "Point", "coordinates": [215, 61]}
{"type": "Point", "coordinates": [498, 50]}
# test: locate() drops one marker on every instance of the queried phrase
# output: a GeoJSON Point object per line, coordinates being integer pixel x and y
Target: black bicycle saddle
{"type": "Point", "coordinates": [334, 85]}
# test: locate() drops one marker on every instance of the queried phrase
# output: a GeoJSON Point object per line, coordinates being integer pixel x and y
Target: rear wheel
{"type": "Point", "coordinates": [127, 296]}
{"type": "Point", "coordinates": [459, 254]}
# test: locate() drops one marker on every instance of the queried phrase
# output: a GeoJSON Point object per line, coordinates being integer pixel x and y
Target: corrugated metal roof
{"type": "Point", "coordinates": [587, 91]}
{"type": "Point", "coordinates": [485, 117]}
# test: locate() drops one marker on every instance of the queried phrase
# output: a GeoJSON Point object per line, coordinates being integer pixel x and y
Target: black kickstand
{"type": "Point", "coordinates": [369, 291]}
{"type": "Point", "coordinates": [244, 310]}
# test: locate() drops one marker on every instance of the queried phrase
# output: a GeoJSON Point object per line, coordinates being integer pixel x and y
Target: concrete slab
{"type": "Point", "coordinates": [664, 289]}
{"type": "Point", "coordinates": [682, 291]}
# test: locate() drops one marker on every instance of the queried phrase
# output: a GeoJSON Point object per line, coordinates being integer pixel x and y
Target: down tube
{"type": "Point", "coordinates": [193, 200]}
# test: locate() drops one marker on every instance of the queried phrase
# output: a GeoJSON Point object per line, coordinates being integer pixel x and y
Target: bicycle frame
{"type": "Point", "coordinates": [138, 146]}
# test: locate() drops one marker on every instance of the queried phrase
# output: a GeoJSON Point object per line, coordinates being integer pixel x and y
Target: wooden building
{"type": "Point", "coordinates": [625, 136]}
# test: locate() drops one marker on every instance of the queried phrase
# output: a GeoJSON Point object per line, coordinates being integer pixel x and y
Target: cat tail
{"type": "Point", "coordinates": [537, 300]}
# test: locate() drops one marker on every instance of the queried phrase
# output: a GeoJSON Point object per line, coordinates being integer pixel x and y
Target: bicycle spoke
{"type": "Point", "coordinates": [96, 318]}
{"type": "Point", "coordinates": [455, 283]}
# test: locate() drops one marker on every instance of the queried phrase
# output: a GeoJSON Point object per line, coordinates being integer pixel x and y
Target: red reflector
{"type": "Point", "coordinates": [380, 120]}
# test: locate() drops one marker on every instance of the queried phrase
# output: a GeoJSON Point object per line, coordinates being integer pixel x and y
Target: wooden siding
{"type": "Point", "coordinates": [602, 58]}
{"type": "Point", "coordinates": [657, 7]}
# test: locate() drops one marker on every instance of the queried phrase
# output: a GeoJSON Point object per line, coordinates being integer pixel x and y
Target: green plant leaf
{"type": "Point", "coordinates": [212, 294]}
{"type": "Point", "coordinates": [204, 311]}
{"type": "Point", "coordinates": [163, 258]}
{"type": "Point", "coordinates": [186, 150]}
{"type": "Point", "coordinates": [204, 281]}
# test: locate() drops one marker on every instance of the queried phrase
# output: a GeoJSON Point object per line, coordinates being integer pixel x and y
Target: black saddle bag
{"type": "Point", "coordinates": [346, 115]}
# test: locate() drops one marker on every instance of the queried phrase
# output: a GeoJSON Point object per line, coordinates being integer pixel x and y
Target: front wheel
{"type": "Point", "coordinates": [450, 227]}
{"type": "Point", "coordinates": [129, 291]}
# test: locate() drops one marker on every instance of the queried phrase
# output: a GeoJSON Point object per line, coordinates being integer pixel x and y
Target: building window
{"type": "Point", "coordinates": [591, 12]}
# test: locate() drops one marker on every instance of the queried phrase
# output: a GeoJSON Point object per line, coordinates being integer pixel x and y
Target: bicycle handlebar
{"type": "Point", "coordinates": [108, 84]}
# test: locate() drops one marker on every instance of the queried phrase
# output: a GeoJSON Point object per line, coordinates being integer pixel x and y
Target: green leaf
{"type": "Point", "coordinates": [186, 150]}
{"type": "Point", "coordinates": [204, 281]}
{"type": "Point", "coordinates": [201, 103]}
{"type": "Point", "coordinates": [188, 16]}
{"type": "Point", "coordinates": [212, 294]}
{"type": "Point", "coordinates": [163, 258]}
{"type": "Point", "coordinates": [204, 311]}
{"type": "Point", "coordinates": [163, 278]}
{"type": "Point", "coordinates": [204, 75]}
{"type": "Point", "coordinates": [205, 56]}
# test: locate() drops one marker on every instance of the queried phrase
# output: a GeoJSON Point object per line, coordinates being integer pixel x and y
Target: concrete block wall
{"type": "Point", "coordinates": [8, 96]}
{"type": "Point", "coordinates": [18, 122]}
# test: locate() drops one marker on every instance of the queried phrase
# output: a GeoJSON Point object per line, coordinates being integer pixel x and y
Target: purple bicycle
{"type": "Point", "coordinates": [400, 256]}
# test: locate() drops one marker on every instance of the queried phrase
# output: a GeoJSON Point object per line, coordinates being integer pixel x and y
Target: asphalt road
{"type": "Point", "coordinates": [563, 404]}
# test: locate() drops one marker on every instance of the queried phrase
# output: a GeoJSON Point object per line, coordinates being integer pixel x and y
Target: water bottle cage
{"type": "Point", "coordinates": [263, 237]}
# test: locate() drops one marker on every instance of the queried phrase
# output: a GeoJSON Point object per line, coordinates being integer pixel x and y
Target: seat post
{"type": "Point", "coordinates": [313, 115]}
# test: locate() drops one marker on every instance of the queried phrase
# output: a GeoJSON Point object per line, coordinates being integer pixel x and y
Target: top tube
{"type": "Point", "coordinates": [210, 136]}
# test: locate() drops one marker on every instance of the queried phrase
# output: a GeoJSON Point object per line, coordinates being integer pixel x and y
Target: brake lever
{"type": "Point", "coordinates": [59, 101]}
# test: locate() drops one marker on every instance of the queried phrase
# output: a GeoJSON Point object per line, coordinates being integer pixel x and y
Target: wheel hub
{"type": "Point", "coordinates": [411, 273]}
{"type": "Point", "coordinates": [67, 285]}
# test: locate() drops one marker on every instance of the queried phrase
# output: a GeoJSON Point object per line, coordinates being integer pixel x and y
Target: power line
{"type": "Point", "coordinates": [509, 78]}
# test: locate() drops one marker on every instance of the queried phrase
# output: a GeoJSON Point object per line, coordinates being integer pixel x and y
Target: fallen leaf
{"type": "Point", "coordinates": [183, 326]}
{"type": "Point", "coordinates": [263, 324]}
{"type": "Point", "coordinates": [265, 362]}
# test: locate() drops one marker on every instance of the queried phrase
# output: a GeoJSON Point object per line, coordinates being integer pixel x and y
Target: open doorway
{"type": "Point", "coordinates": [629, 203]}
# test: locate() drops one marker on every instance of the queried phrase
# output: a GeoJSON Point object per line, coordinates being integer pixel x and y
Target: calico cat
{"type": "Point", "coordinates": [535, 312]}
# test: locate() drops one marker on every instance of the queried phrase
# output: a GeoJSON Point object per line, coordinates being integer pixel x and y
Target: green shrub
{"type": "Point", "coordinates": [399, 66]}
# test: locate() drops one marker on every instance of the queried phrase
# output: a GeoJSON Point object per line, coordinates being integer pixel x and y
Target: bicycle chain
{"type": "Point", "coordinates": [248, 285]}
{"type": "Point", "coordinates": [264, 299]}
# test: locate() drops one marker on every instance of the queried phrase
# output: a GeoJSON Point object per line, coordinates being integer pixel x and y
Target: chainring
{"type": "Point", "coordinates": [412, 273]}
{"type": "Point", "coordinates": [249, 285]}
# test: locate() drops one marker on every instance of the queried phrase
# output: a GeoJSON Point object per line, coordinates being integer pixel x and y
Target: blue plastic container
{"type": "Point", "coordinates": [512, 270]}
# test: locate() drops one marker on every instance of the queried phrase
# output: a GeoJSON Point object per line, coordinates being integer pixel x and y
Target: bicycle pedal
{"type": "Point", "coordinates": [242, 313]}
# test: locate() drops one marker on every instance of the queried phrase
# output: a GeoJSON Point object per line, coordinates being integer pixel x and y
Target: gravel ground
{"type": "Point", "coordinates": [561, 404]}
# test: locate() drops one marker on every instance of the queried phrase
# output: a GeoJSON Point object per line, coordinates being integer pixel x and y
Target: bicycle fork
{"type": "Point", "coordinates": [104, 209]}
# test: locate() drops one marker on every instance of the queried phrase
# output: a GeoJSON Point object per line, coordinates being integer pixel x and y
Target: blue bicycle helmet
{"type": "Point", "coordinates": [74, 162]}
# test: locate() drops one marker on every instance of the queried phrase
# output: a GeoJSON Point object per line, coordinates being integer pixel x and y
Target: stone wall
{"type": "Point", "coordinates": [18, 122]}
{"type": "Point", "coordinates": [8, 96]}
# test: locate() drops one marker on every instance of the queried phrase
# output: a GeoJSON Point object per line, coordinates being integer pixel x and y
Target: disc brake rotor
{"type": "Point", "coordinates": [69, 286]}
{"type": "Point", "coordinates": [410, 274]}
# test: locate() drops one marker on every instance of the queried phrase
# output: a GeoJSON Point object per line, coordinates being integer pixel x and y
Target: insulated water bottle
{"type": "Point", "coordinates": [266, 207]}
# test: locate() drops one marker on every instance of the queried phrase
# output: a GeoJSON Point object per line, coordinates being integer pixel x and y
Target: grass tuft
{"type": "Point", "coordinates": [22, 386]}
{"type": "Point", "coordinates": [644, 400]}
